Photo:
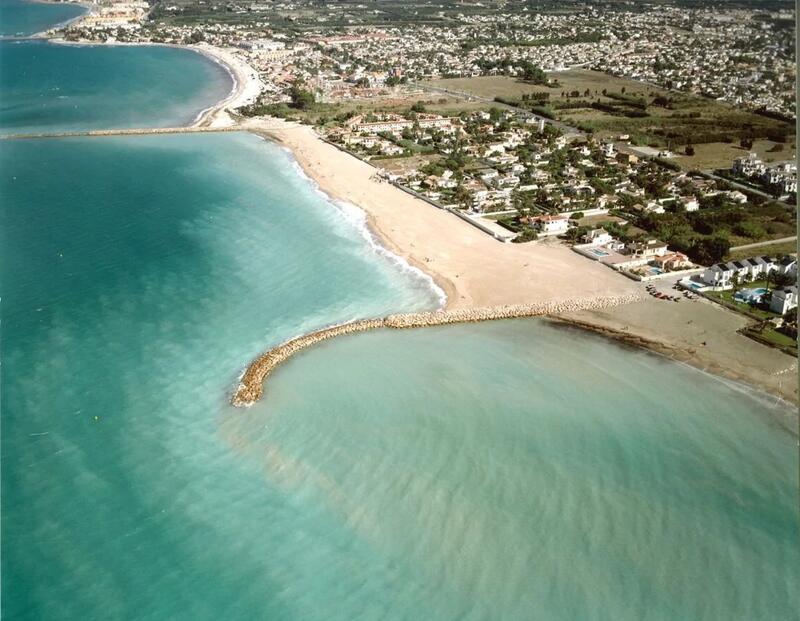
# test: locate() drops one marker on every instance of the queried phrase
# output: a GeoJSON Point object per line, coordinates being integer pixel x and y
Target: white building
{"type": "Point", "coordinates": [721, 274]}
{"type": "Point", "coordinates": [597, 237]}
{"type": "Point", "coordinates": [549, 225]}
{"type": "Point", "coordinates": [646, 250]}
{"type": "Point", "coordinates": [690, 203]}
{"type": "Point", "coordinates": [783, 300]}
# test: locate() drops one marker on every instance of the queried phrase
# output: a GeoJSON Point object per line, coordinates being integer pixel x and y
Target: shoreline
{"type": "Point", "coordinates": [444, 285]}
{"type": "Point", "coordinates": [245, 83]}
{"type": "Point", "coordinates": [88, 10]}
{"type": "Point", "coordinates": [790, 422]}
{"type": "Point", "coordinates": [247, 86]}
{"type": "Point", "coordinates": [379, 242]}
{"type": "Point", "coordinates": [771, 373]}
{"type": "Point", "coordinates": [475, 271]}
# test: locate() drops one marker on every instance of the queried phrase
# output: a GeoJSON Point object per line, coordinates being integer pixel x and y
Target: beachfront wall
{"type": "Point", "coordinates": [251, 385]}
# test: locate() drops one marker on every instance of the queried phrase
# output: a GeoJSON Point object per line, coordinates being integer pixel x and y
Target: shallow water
{"type": "Point", "coordinates": [516, 470]}
{"type": "Point", "coordinates": [138, 275]}
{"type": "Point", "coordinates": [48, 87]}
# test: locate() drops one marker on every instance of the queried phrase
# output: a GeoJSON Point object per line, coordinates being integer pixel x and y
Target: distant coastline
{"type": "Point", "coordinates": [87, 7]}
{"type": "Point", "coordinates": [245, 83]}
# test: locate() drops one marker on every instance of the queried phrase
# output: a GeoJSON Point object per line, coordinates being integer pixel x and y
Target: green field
{"type": "Point", "coordinates": [772, 250]}
{"type": "Point", "coordinates": [770, 336]}
{"type": "Point", "coordinates": [720, 154]}
{"type": "Point", "coordinates": [326, 113]}
{"type": "Point", "coordinates": [578, 79]}
{"type": "Point", "coordinates": [648, 114]}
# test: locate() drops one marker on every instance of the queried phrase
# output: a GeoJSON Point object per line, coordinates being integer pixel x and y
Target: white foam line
{"type": "Point", "coordinates": [205, 54]}
{"type": "Point", "coordinates": [231, 94]}
{"type": "Point", "coordinates": [357, 217]}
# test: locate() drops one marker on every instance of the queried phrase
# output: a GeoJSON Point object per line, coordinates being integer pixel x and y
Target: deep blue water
{"type": "Point", "coordinates": [23, 18]}
{"type": "Point", "coordinates": [51, 87]}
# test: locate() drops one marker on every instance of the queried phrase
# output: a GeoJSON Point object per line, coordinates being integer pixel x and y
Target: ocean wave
{"type": "Point", "coordinates": [234, 88]}
{"type": "Point", "coordinates": [357, 217]}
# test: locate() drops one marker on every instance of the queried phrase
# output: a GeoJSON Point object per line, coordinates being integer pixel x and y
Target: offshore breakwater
{"type": "Point", "coordinates": [251, 385]}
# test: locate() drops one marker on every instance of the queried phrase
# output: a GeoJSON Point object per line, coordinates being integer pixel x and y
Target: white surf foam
{"type": "Point", "coordinates": [357, 217]}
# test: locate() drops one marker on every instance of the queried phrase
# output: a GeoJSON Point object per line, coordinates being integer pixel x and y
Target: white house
{"type": "Point", "coordinates": [787, 266]}
{"type": "Point", "coordinates": [690, 203]}
{"type": "Point", "coordinates": [737, 197]}
{"type": "Point", "coordinates": [597, 237]}
{"type": "Point", "coordinates": [783, 300]}
{"type": "Point", "coordinates": [649, 249]}
{"type": "Point", "coordinates": [748, 166]}
{"type": "Point", "coordinates": [721, 274]}
{"type": "Point", "coordinates": [549, 225]}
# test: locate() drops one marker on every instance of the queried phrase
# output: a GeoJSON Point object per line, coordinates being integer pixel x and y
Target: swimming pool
{"type": "Point", "coordinates": [750, 296]}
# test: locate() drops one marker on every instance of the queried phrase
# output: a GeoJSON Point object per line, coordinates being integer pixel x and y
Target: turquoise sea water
{"type": "Point", "coordinates": [138, 276]}
{"type": "Point", "coordinates": [510, 470]}
{"type": "Point", "coordinates": [515, 470]}
{"type": "Point", "coordinates": [52, 87]}
{"type": "Point", "coordinates": [22, 18]}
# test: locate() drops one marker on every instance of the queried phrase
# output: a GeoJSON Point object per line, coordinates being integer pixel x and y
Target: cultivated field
{"type": "Point", "coordinates": [578, 79]}
{"type": "Point", "coordinates": [720, 154]}
{"type": "Point", "coordinates": [325, 113]}
{"type": "Point", "coordinates": [772, 250]}
{"type": "Point", "coordinates": [609, 106]}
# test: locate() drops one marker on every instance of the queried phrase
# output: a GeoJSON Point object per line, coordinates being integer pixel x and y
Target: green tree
{"type": "Point", "coordinates": [526, 235]}
{"type": "Point", "coordinates": [750, 228]}
{"type": "Point", "coordinates": [708, 250]}
{"type": "Point", "coordinates": [463, 196]}
{"type": "Point", "coordinates": [302, 99]}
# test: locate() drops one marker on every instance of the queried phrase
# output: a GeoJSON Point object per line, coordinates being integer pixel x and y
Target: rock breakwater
{"type": "Point", "coordinates": [251, 386]}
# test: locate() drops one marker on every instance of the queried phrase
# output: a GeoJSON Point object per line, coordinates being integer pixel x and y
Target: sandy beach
{"type": "Point", "coordinates": [246, 86]}
{"type": "Point", "coordinates": [701, 334]}
{"type": "Point", "coordinates": [477, 271]}
{"type": "Point", "coordinates": [474, 270]}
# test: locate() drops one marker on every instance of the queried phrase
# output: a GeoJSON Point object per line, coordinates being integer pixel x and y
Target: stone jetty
{"type": "Point", "coordinates": [251, 386]}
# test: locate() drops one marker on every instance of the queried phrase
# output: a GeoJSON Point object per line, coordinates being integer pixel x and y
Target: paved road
{"type": "Point", "coordinates": [766, 243]}
{"type": "Point", "coordinates": [740, 186]}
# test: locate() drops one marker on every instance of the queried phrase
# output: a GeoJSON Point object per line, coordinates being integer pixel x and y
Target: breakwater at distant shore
{"type": "Point", "coordinates": [251, 385]}
{"type": "Point", "coordinates": [118, 132]}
